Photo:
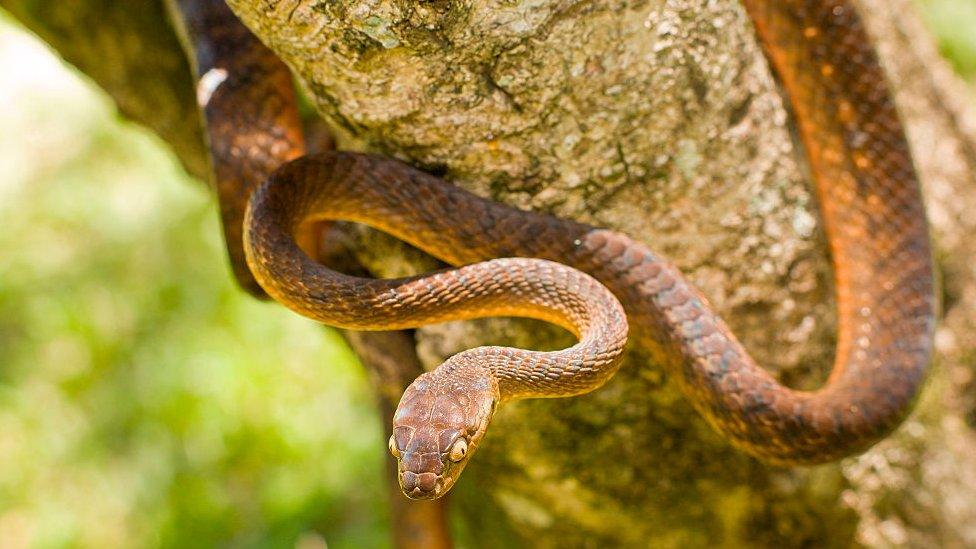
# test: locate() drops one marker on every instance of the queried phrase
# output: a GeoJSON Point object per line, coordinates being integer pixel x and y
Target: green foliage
{"type": "Point", "coordinates": [145, 400]}
{"type": "Point", "coordinates": [954, 24]}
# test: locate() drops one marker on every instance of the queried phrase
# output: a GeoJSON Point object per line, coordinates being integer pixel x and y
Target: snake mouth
{"type": "Point", "coordinates": [421, 485]}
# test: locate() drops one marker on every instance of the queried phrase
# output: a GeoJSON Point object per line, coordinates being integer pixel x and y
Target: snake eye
{"type": "Point", "coordinates": [393, 447]}
{"type": "Point", "coordinates": [458, 450]}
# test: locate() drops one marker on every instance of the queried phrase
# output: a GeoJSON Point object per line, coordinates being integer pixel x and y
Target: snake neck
{"type": "Point", "coordinates": [330, 187]}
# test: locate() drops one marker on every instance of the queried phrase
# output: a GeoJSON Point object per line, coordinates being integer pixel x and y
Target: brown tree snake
{"type": "Point", "coordinates": [870, 203]}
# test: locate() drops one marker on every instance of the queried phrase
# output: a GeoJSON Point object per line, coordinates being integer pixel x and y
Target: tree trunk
{"type": "Point", "coordinates": [659, 119]}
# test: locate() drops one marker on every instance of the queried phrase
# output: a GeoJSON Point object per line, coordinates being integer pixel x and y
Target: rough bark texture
{"type": "Point", "coordinates": [658, 118]}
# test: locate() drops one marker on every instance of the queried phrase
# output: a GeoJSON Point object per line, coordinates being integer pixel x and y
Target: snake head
{"type": "Point", "coordinates": [438, 425]}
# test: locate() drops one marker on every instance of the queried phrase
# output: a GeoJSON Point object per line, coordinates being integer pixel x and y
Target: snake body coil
{"type": "Point", "coordinates": [874, 220]}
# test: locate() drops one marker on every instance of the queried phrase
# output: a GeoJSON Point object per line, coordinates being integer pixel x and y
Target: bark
{"type": "Point", "coordinates": [658, 118]}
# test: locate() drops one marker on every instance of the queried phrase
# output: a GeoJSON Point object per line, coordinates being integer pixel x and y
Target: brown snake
{"type": "Point", "coordinates": [875, 224]}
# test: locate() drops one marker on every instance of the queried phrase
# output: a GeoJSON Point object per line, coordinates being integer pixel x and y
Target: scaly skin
{"type": "Point", "coordinates": [250, 114]}
{"type": "Point", "coordinates": [443, 415]}
{"type": "Point", "coordinates": [875, 225]}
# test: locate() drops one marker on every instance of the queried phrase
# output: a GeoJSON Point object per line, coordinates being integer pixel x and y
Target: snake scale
{"type": "Point", "coordinates": [519, 263]}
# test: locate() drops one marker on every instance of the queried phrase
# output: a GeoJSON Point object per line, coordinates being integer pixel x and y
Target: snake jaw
{"type": "Point", "coordinates": [438, 426]}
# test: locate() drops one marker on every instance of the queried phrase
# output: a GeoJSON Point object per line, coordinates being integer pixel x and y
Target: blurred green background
{"type": "Point", "coordinates": [144, 400]}
{"type": "Point", "coordinates": [954, 24]}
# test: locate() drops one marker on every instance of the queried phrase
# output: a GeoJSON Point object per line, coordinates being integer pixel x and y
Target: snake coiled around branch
{"type": "Point", "coordinates": [872, 212]}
